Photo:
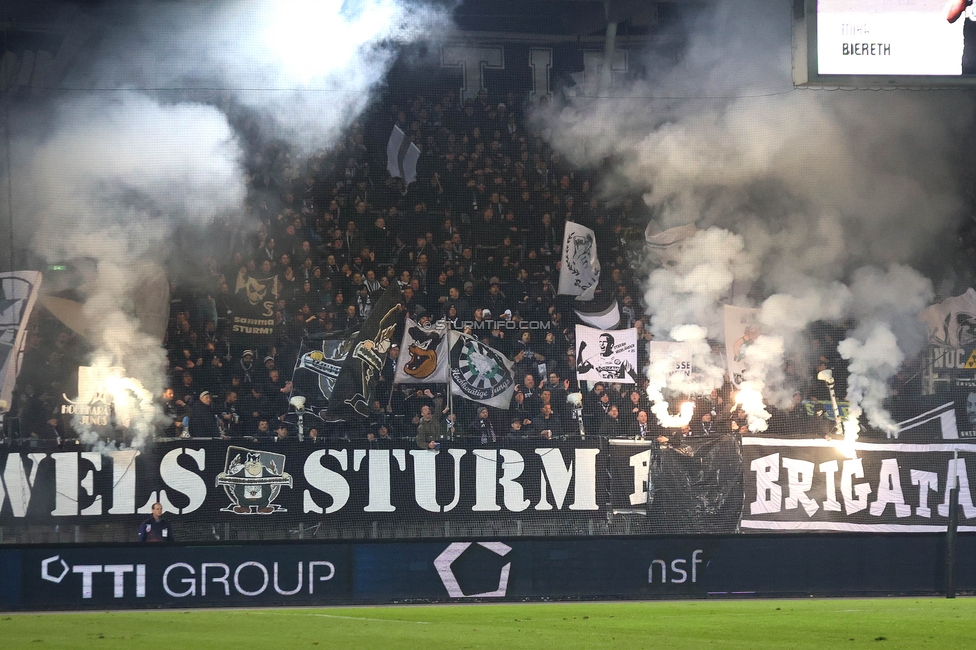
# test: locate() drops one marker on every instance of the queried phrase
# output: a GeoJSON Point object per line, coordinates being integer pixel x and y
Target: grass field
{"type": "Point", "coordinates": [876, 623]}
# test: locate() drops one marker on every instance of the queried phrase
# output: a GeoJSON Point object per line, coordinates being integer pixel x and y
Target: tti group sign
{"type": "Point", "coordinates": [183, 576]}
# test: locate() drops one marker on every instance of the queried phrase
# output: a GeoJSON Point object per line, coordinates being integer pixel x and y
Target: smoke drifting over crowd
{"type": "Point", "coordinates": [143, 141]}
{"type": "Point", "coordinates": [822, 203]}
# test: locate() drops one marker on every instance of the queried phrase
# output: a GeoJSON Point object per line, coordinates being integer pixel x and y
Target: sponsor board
{"type": "Point", "coordinates": [511, 569]}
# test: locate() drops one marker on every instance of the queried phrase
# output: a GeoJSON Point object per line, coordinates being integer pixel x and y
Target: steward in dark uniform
{"type": "Point", "coordinates": [155, 529]}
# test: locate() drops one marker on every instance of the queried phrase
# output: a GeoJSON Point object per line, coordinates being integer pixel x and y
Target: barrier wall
{"type": "Point", "coordinates": [150, 576]}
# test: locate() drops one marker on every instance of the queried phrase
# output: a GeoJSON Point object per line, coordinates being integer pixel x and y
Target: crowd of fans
{"type": "Point", "coordinates": [476, 238]}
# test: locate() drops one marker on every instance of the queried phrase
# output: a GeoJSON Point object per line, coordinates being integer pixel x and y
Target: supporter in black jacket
{"type": "Point", "coordinates": [203, 421]}
{"type": "Point", "coordinates": [482, 427]}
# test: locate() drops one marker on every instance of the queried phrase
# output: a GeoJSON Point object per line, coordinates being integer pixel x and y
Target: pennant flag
{"type": "Point", "coordinates": [356, 382]}
{"type": "Point", "coordinates": [427, 348]}
{"type": "Point", "coordinates": [318, 369]}
{"type": "Point", "coordinates": [741, 329]}
{"type": "Point", "coordinates": [664, 248]}
{"type": "Point", "coordinates": [606, 356]}
{"type": "Point", "coordinates": [480, 373]}
{"type": "Point", "coordinates": [402, 156]}
{"type": "Point", "coordinates": [18, 292]}
{"type": "Point", "coordinates": [580, 271]}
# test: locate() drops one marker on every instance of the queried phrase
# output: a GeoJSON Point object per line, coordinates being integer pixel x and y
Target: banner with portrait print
{"type": "Point", "coordinates": [608, 356]}
{"type": "Point", "coordinates": [580, 272]}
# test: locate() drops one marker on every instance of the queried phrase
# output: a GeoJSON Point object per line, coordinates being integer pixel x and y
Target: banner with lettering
{"type": "Point", "coordinates": [822, 485]}
{"type": "Point", "coordinates": [270, 488]}
{"type": "Point", "coordinates": [252, 322]}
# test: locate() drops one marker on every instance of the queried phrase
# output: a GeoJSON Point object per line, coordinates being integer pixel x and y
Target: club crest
{"type": "Point", "coordinates": [252, 481]}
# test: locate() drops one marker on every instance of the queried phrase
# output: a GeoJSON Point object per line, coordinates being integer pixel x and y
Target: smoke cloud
{"type": "Point", "coordinates": [142, 141]}
{"type": "Point", "coordinates": [802, 195]}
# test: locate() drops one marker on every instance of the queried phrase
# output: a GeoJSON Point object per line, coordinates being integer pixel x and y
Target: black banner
{"type": "Point", "coordinates": [353, 391]}
{"type": "Point", "coordinates": [865, 487]}
{"type": "Point", "coordinates": [694, 488]}
{"type": "Point", "coordinates": [271, 488]}
{"type": "Point", "coordinates": [318, 367]}
{"type": "Point", "coordinates": [254, 307]}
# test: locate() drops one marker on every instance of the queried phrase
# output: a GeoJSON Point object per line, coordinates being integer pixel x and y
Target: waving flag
{"type": "Point", "coordinates": [580, 271]}
{"type": "Point", "coordinates": [480, 373]}
{"type": "Point", "coordinates": [402, 156]}
{"type": "Point", "coordinates": [423, 354]}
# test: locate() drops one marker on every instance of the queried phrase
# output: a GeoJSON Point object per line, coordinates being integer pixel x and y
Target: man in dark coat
{"type": "Point", "coordinates": [203, 421]}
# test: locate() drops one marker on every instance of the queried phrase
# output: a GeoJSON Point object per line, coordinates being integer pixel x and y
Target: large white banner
{"type": "Point", "coordinates": [423, 354]}
{"type": "Point", "coordinates": [480, 373]}
{"type": "Point", "coordinates": [606, 356]}
{"type": "Point", "coordinates": [741, 330]}
{"type": "Point", "coordinates": [679, 354]}
{"type": "Point", "coordinates": [580, 271]}
{"type": "Point", "coordinates": [18, 291]}
{"type": "Point", "coordinates": [952, 322]}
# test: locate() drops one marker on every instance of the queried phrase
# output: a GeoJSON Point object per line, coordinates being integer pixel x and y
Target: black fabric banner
{"type": "Point", "coordinates": [353, 391]}
{"type": "Point", "coordinates": [318, 367]}
{"type": "Point", "coordinates": [252, 322]}
{"type": "Point", "coordinates": [694, 488]}
{"type": "Point", "coordinates": [797, 485]}
{"type": "Point", "coordinates": [272, 488]}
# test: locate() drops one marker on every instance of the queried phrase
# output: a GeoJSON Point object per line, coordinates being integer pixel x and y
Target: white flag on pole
{"type": "Point", "coordinates": [606, 356]}
{"type": "Point", "coordinates": [402, 156]}
{"type": "Point", "coordinates": [580, 271]}
{"type": "Point", "coordinates": [423, 354]}
{"type": "Point", "coordinates": [480, 373]}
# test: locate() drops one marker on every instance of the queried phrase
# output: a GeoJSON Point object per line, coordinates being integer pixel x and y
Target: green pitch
{"type": "Point", "coordinates": [876, 623]}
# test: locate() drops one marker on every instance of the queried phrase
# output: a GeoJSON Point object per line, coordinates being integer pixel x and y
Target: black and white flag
{"type": "Point", "coordinates": [480, 373]}
{"type": "Point", "coordinates": [606, 356]}
{"type": "Point", "coordinates": [401, 157]}
{"type": "Point", "coordinates": [18, 291]}
{"type": "Point", "coordinates": [580, 273]}
{"type": "Point", "coordinates": [426, 350]}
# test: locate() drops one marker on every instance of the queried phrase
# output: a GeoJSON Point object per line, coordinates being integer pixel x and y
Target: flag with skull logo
{"type": "Point", "coordinates": [254, 309]}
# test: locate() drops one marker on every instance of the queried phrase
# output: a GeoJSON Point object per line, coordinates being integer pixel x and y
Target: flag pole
{"type": "Point", "coordinates": [450, 392]}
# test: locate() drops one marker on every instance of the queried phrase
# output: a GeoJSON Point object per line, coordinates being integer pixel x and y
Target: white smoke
{"type": "Point", "coordinates": [119, 168]}
{"type": "Point", "coordinates": [692, 291]}
{"type": "Point", "coordinates": [808, 187]}
{"type": "Point", "coordinates": [886, 305]}
{"type": "Point", "coordinates": [111, 182]}
{"type": "Point", "coordinates": [706, 375]}
{"type": "Point", "coordinates": [308, 67]}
